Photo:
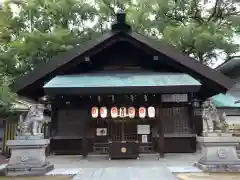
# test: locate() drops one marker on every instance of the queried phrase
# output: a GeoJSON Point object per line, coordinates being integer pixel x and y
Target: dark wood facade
{"type": "Point", "coordinates": [72, 124]}
{"type": "Point", "coordinates": [177, 121]}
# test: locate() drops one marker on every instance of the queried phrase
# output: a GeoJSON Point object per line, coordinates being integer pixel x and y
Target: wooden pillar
{"type": "Point", "coordinates": [54, 120]}
{"type": "Point", "coordinates": [191, 113]}
{"type": "Point", "coordinates": [53, 127]}
{"type": "Point", "coordinates": [160, 131]}
{"type": "Point", "coordinates": [84, 146]}
{"type": "Point", "coordinates": [84, 137]}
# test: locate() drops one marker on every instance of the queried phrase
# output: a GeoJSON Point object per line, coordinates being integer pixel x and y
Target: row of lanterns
{"type": "Point", "coordinates": [123, 112]}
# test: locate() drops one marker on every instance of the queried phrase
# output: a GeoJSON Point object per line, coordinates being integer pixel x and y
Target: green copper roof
{"type": "Point", "coordinates": [122, 80]}
{"type": "Point", "coordinates": [225, 100]}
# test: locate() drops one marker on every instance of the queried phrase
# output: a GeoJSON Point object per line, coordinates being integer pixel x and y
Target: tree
{"type": "Point", "coordinates": [6, 95]}
{"type": "Point", "coordinates": [41, 29]}
{"type": "Point", "coordinates": [202, 30]}
{"type": "Point", "coordinates": [36, 31]}
{"type": "Point", "coordinates": [196, 29]}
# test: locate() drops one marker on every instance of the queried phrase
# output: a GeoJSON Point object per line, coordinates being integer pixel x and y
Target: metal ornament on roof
{"type": "Point", "coordinates": [151, 112]}
{"type": "Point", "coordinates": [44, 98]}
{"type": "Point", "coordinates": [145, 98]}
{"type": "Point", "coordinates": [94, 112]}
{"type": "Point", "coordinates": [103, 112]}
{"type": "Point", "coordinates": [131, 112]}
{"type": "Point", "coordinates": [99, 99]}
{"type": "Point", "coordinates": [142, 112]}
{"type": "Point", "coordinates": [86, 59]}
{"type": "Point", "coordinates": [114, 112]}
{"type": "Point", "coordinates": [132, 97]}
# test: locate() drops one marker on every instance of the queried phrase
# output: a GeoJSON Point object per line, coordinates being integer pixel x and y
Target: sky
{"type": "Point", "coordinates": [220, 59]}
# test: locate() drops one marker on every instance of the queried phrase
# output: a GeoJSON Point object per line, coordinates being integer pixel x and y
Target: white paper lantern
{"type": "Point", "coordinates": [151, 112]}
{"type": "Point", "coordinates": [142, 112]}
{"type": "Point", "coordinates": [131, 112]}
{"type": "Point", "coordinates": [94, 112]}
{"type": "Point", "coordinates": [114, 112]}
{"type": "Point", "coordinates": [103, 112]}
{"type": "Point", "coordinates": [122, 112]}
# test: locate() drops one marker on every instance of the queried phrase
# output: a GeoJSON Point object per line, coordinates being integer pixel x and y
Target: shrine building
{"type": "Point", "coordinates": [123, 94]}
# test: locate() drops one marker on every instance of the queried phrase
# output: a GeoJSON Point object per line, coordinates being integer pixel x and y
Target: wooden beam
{"type": "Point", "coordinates": [191, 113]}
{"type": "Point", "coordinates": [85, 140]}
{"type": "Point", "coordinates": [54, 119]}
{"type": "Point", "coordinates": [160, 131]}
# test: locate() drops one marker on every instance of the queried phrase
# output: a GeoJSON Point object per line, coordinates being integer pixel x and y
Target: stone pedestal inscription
{"type": "Point", "coordinates": [28, 157]}
{"type": "Point", "coordinates": [219, 154]}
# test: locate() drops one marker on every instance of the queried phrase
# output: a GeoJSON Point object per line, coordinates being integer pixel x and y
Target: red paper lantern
{"type": "Point", "coordinates": [94, 112]}
{"type": "Point", "coordinates": [142, 112]}
{"type": "Point", "coordinates": [131, 112]}
{"type": "Point", "coordinates": [114, 112]}
{"type": "Point", "coordinates": [103, 112]}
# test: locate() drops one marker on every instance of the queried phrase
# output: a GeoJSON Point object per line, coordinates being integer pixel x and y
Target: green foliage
{"type": "Point", "coordinates": [38, 47]}
{"type": "Point", "coordinates": [196, 30]}
{"type": "Point", "coordinates": [37, 30]}
{"type": "Point", "coordinates": [6, 96]}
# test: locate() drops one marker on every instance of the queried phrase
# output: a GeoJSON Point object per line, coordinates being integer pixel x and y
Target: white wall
{"type": "Point", "coordinates": [233, 119]}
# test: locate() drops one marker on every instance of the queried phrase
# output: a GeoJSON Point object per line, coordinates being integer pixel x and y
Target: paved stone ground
{"type": "Point", "coordinates": [148, 167]}
{"type": "Point", "coordinates": [94, 161]}
{"type": "Point", "coordinates": [209, 176]}
{"type": "Point", "coordinates": [126, 173]}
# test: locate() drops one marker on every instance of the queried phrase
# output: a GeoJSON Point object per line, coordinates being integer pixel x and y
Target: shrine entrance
{"type": "Point", "coordinates": [126, 133]}
{"type": "Point", "coordinates": [122, 130]}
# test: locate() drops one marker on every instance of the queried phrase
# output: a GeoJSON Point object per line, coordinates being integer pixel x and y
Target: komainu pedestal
{"type": "Point", "coordinates": [219, 154]}
{"type": "Point", "coordinates": [28, 156]}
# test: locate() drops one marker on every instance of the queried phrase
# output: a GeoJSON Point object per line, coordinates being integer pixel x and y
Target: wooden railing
{"type": "Point", "coordinates": [9, 133]}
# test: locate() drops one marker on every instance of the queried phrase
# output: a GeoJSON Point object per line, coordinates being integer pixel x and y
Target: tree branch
{"type": "Point", "coordinates": [214, 11]}
{"type": "Point", "coordinates": [200, 57]}
{"type": "Point", "coordinates": [109, 7]}
{"type": "Point", "coordinates": [197, 14]}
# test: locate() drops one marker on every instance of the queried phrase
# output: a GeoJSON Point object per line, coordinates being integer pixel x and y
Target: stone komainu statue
{"type": "Point", "coordinates": [212, 119]}
{"type": "Point", "coordinates": [32, 123]}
